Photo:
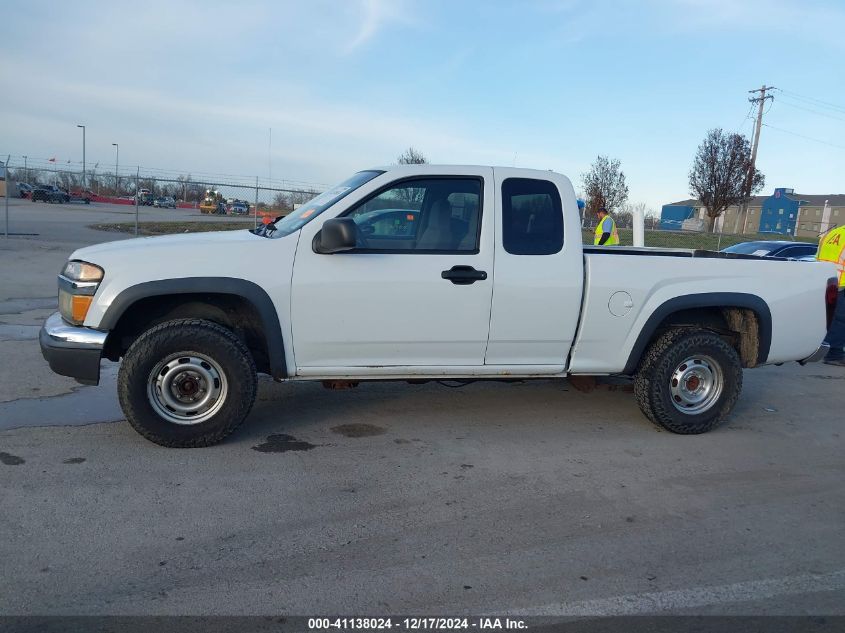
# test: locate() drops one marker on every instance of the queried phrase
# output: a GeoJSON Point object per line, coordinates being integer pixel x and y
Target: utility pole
{"type": "Point", "coordinates": [137, 178]}
{"type": "Point", "coordinates": [83, 156]}
{"type": "Point", "coordinates": [116, 161]}
{"type": "Point", "coordinates": [6, 176]}
{"type": "Point", "coordinates": [749, 179]}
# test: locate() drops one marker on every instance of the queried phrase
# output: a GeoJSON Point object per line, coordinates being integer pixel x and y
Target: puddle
{"type": "Point", "coordinates": [358, 430]}
{"type": "Point", "coordinates": [74, 460]}
{"type": "Point", "coordinates": [282, 443]}
{"type": "Point", "coordinates": [11, 460]}
{"type": "Point", "coordinates": [85, 405]}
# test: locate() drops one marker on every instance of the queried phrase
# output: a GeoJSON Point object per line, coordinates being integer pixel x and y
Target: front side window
{"type": "Point", "coordinates": [421, 215]}
{"type": "Point", "coordinates": [532, 217]}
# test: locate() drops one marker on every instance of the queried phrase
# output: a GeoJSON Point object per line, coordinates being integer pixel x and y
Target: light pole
{"type": "Point", "coordinates": [83, 156]}
{"type": "Point", "coordinates": [25, 170]}
{"type": "Point", "coordinates": [116, 178]}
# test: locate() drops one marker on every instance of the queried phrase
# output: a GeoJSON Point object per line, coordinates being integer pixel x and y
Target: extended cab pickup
{"type": "Point", "coordinates": [424, 272]}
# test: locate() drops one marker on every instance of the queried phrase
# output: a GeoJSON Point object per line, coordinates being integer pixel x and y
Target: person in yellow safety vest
{"type": "Point", "coordinates": [606, 234]}
{"type": "Point", "coordinates": [832, 249]}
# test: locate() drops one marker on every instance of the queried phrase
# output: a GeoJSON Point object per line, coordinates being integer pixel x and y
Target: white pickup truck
{"type": "Point", "coordinates": [424, 272]}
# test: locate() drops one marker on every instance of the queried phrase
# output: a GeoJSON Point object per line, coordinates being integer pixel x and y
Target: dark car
{"type": "Point", "coordinates": [238, 207]}
{"type": "Point", "coordinates": [82, 196]}
{"type": "Point", "coordinates": [165, 202]}
{"type": "Point", "coordinates": [49, 193]}
{"type": "Point", "coordinates": [774, 248]}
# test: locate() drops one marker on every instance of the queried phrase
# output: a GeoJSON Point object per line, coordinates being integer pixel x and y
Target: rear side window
{"type": "Point", "coordinates": [797, 251]}
{"type": "Point", "coordinates": [532, 217]}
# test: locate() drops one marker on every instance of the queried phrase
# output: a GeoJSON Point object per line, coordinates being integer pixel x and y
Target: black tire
{"type": "Point", "coordinates": [185, 337]}
{"type": "Point", "coordinates": [656, 386]}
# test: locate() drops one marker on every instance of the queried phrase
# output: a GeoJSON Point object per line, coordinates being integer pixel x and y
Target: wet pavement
{"type": "Point", "coordinates": [84, 405]}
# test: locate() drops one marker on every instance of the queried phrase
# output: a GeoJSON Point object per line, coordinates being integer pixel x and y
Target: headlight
{"type": "Point", "coordinates": [82, 271]}
{"type": "Point", "coordinates": [78, 284]}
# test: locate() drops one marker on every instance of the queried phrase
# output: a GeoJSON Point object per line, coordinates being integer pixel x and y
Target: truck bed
{"type": "Point", "coordinates": [624, 287]}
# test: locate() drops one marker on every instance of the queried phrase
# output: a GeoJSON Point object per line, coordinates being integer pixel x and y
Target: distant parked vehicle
{"type": "Point", "coordinates": [164, 202]}
{"type": "Point", "coordinates": [144, 197]}
{"type": "Point", "coordinates": [49, 193]}
{"type": "Point", "coordinates": [82, 196]}
{"type": "Point", "coordinates": [774, 248]}
{"type": "Point", "coordinates": [24, 190]}
{"type": "Point", "coordinates": [238, 207]}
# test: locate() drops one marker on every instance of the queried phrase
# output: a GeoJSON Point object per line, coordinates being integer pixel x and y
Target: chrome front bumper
{"type": "Point", "coordinates": [72, 351]}
{"type": "Point", "coordinates": [819, 354]}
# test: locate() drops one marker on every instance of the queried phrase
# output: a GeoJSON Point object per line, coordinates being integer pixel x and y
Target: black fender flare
{"type": "Point", "coordinates": [705, 300]}
{"type": "Point", "coordinates": [242, 288]}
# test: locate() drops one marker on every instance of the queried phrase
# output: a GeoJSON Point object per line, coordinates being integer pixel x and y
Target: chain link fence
{"type": "Point", "coordinates": [260, 198]}
{"type": "Point", "coordinates": [213, 194]}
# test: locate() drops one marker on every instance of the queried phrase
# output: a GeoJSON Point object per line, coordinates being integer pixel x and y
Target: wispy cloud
{"type": "Point", "coordinates": [378, 14]}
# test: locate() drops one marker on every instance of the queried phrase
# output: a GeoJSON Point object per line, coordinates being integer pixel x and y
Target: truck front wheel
{"type": "Point", "coordinates": [187, 383]}
{"type": "Point", "coordinates": [688, 381]}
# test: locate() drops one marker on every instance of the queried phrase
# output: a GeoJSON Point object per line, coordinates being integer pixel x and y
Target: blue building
{"type": "Point", "coordinates": [780, 212]}
{"type": "Point", "coordinates": [672, 216]}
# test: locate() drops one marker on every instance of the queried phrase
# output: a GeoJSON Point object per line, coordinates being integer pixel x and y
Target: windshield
{"type": "Point", "coordinates": [750, 248]}
{"type": "Point", "coordinates": [295, 220]}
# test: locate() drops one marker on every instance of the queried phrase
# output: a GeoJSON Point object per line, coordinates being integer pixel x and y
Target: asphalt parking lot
{"type": "Point", "coordinates": [528, 498]}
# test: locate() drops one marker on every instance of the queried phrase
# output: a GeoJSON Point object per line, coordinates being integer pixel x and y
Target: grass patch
{"type": "Point", "coordinates": [169, 228]}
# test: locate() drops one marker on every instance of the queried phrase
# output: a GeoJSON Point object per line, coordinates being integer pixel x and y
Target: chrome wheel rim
{"type": "Point", "coordinates": [696, 385]}
{"type": "Point", "coordinates": [187, 388]}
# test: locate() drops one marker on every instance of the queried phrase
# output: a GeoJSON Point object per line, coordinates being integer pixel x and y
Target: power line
{"type": "Point", "coordinates": [809, 138]}
{"type": "Point", "coordinates": [814, 100]}
{"type": "Point", "coordinates": [824, 114]}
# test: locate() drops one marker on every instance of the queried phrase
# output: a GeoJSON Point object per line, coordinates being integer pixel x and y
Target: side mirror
{"type": "Point", "coordinates": [336, 236]}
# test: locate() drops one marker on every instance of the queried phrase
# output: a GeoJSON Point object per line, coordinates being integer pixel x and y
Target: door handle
{"type": "Point", "coordinates": [463, 275]}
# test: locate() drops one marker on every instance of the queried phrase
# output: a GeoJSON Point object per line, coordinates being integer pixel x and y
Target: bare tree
{"type": "Point", "coordinates": [604, 185]}
{"type": "Point", "coordinates": [286, 201]}
{"type": "Point", "coordinates": [411, 157]}
{"type": "Point", "coordinates": [625, 216]}
{"type": "Point", "coordinates": [282, 201]}
{"type": "Point", "coordinates": [720, 174]}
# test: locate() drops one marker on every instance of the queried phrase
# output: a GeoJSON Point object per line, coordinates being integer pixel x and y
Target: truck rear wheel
{"type": "Point", "coordinates": [187, 383]}
{"type": "Point", "coordinates": [688, 381]}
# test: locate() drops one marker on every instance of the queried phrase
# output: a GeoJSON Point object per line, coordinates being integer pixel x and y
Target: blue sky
{"type": "Point", "coordinates": [547, 84]}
